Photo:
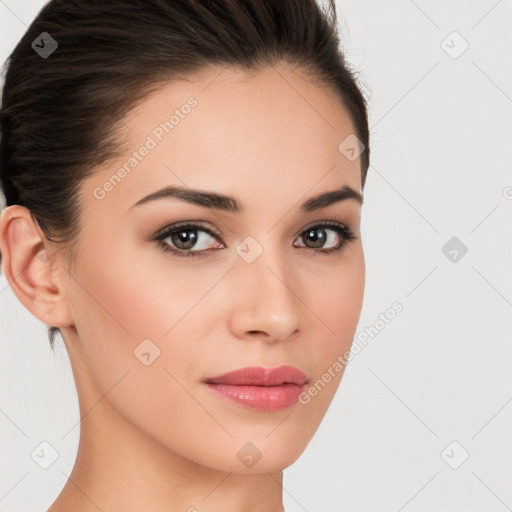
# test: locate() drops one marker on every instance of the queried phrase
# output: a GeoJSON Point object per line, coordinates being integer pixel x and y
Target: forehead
{"type": "Point", "coordinates": [244, 133]}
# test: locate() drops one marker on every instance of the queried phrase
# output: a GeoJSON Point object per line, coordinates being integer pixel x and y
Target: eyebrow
{"type": "Point", "coordinates": [230, 204]}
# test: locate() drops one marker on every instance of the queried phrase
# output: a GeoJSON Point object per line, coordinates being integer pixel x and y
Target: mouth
{"type": "Point", "coordinates": [267, 389]}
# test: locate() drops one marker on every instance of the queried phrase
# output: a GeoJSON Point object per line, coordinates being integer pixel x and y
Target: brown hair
{"type": "Point", "coordinates": [61, 111]}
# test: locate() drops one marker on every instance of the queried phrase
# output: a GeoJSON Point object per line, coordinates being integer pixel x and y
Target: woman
{"type": "Point", "coordinates": [183, 183]}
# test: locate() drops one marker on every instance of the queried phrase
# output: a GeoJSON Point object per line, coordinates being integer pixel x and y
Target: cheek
{"type": "Point", "coordinates": [339, 308]}
{"type": "Point", "coordinates": [121, 303]}
{"type": "Point", "coordinates": [135, 305]}
{"type": "Point", "coordinates": [337, 301]}
{"type": "Point", "coordinates": [138, 296]}
{"type": "Point", "coordinates": [130, 307]}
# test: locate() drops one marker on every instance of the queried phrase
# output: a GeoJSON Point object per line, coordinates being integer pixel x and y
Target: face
{"type": "Point", "coordinates": [265, 286]}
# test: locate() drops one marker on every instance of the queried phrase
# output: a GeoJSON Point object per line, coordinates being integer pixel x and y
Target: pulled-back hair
{"type": "Point", "coordinates": [61, 112]}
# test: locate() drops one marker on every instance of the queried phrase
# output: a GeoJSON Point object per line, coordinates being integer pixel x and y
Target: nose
{"type": "Point", "coordinates": [266, 298]}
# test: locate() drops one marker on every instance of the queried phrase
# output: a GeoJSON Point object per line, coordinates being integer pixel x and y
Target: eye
{"type": "Point", "coordinates": [184, 237]}
{"type": "Point", "coordinates": [318, 237]}
{"type": "Point", "coordinates": [193, 240]}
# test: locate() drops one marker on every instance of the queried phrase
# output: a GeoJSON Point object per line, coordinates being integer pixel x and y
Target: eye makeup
{"type": "Point", "coordinates": [344, 233]}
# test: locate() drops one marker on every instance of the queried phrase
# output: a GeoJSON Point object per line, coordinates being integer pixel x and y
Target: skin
{"type": "Point", "coordinates": [154, 437]}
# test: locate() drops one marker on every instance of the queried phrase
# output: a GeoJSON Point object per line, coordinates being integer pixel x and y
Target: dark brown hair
{"type": "Point", "coordinates": [60, 114]}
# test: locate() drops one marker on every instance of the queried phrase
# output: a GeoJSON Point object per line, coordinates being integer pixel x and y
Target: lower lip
{"type": "Point", "coordinates": [266, 398]}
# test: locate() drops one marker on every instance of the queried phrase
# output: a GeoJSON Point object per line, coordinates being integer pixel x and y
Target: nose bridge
{"type": "Point", "coordinates": [264, 263]}
{"type": "Point", "coordinates": [267, 283]}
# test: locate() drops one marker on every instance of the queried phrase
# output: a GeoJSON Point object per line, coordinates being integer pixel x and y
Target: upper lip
{"type": "Point", "coordinates": [259, 376]}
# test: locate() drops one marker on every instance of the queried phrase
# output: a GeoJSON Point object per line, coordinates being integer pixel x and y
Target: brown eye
{"type": "Point", "coordinates": [326, 237]}
{"type": "Point", "coordinates": [184, 239]}
{"type": "Point", "coordinates": [315, 237]}
{"type": "Point", "coordinates": [181, 239]}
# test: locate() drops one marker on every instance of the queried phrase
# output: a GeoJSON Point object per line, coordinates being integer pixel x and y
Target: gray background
{"type": "Point", "coordinates": [440, 371]}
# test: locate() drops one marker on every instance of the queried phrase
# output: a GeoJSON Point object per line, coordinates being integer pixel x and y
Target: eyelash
{"type": "Point", "coordinates": [344, 231]}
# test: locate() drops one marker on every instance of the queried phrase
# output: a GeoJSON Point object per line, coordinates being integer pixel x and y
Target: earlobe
{"type": "Point", "coordinates": [28, 269]}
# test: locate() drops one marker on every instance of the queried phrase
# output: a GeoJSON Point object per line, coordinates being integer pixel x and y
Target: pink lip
{"type": "Point", "coordinates": [267, 389]}
{"type": "Point", "coordinates": [259, 376]}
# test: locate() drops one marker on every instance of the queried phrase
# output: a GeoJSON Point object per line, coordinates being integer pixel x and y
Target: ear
{"type": "Point", "coordinates": [33, 277]}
